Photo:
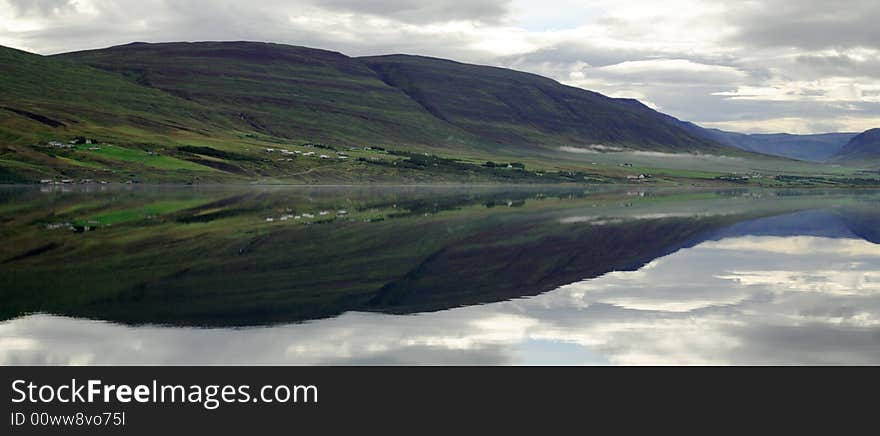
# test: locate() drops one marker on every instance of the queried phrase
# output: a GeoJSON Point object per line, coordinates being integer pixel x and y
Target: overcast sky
{"type": "Point", "coordinates": [799, 66]}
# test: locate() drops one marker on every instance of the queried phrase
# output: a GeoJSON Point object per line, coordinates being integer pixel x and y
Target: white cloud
{"type": "Point", "coordinates": [831, 89]}
{"type": "Point", "coordinates": [673, 70]}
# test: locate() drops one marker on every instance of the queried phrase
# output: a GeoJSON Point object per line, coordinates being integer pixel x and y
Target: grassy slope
{"type": "Point", "coordinates": [46, 99]}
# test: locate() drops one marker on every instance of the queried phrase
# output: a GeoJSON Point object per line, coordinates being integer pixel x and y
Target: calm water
{"type": "Point", "coordinates": [438, 275]}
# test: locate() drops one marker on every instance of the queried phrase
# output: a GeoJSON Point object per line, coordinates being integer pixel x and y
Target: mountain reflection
{"type": "Point", "coordinates": [712, 280]}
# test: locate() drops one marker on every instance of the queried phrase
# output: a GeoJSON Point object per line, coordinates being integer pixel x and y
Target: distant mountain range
{"type": "Point", "coordinates": [824, 147]}
{"type": "Point", "coordinates": [228, 92]}
{"type": "Point", "coordinates": [815, 148]}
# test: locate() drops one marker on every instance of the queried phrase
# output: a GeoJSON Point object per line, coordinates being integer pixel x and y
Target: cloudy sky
{"type": "Point", "coordinates": [799, 66]}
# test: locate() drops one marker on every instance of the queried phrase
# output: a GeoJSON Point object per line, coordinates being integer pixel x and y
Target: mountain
{"type": "Point", "coordinates": [813, 148]}
{"type": "Point", "coordinates": [864, 147]}
{"type": "Point", "coordinates": [303, 93]}
{"type": "Point", "coordinates": [277, 90]}
{"type": "Point", "coordinates": [515, 108]}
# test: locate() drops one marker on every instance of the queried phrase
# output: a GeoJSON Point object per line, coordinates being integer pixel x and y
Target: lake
{"type": "Point", "coordinates": [438, 275]}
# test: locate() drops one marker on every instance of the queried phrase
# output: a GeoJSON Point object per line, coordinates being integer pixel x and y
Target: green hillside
{"type": "Point", "coordinates": [214, 127]}
{"type": "Point", "coordinates": [278, 90]}
{"type": "Point", "coordinates": [70, 92]}
{"type": "Point", "coordinates": [46, 100]}
{"type": "Point", "coordinates": [218, 112]}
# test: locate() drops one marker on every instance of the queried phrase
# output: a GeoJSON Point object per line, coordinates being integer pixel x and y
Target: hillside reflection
{"type": "Point", "coordinates": [787, 281]}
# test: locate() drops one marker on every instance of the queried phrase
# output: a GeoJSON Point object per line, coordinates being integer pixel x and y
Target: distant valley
{"type": "Point", "coordinates": [816, 148]}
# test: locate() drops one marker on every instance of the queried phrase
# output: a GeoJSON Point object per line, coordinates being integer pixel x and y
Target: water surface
{"type": "Point", "coordinates": [438, 275]}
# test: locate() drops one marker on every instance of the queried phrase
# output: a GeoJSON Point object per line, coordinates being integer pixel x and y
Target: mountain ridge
{"type": "Point", "coordinates": [505, 105]}
{"type": "Point", "coordinates": [150, 64]}
{"type": "Point", "coordinates": [864, 146]}
{"type": "Point", "coordinates": [818, 147]}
